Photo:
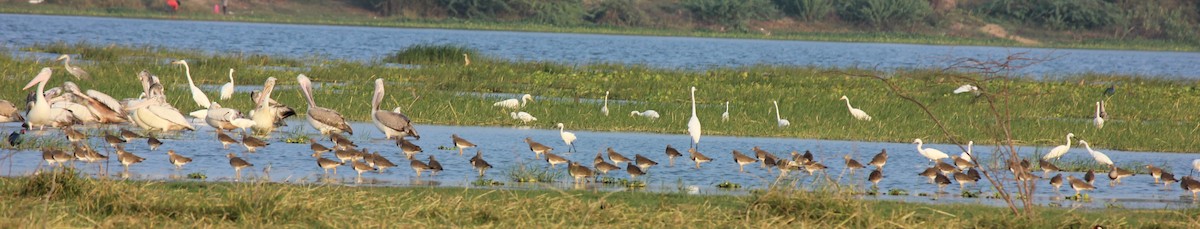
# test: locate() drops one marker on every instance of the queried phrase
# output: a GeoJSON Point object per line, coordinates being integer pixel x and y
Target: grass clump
{"type": "Point", "coordinates": [60, 183]}
{"type": "Point", "coordinates": [484, 182]}
{"type": "Point", "coordinates": [197, 176]}
{"type": "Point", "coordinates": [524, 173]}
{"type": "Point", "coordinates": [433, 54]}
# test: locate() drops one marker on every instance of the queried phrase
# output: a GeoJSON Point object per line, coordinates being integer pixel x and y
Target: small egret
{"type": "Point", "coordinates": [967, 88]}
{"type": "Point", "coordinates": [466, 60]}
{"type": "Point", "coordinates": [968, 155]}
{"type": "Point", "coordinates": [857, 113]}
{"type": "Point", "coordinates": [781, 122]}
{"type": "Point", "coordinates": [694, 123]}
{"type": "Point", "coordinates": [1060, 150]}
{"type": "Point", "coordinates": [1100, 157]}
{"type": "Point", "coordinates": [604, 109]}
{"type": "Point", "coordinates": [79, 73]}
{"type": "Point", "coordinates": [567, 137]}
{"type": "Point", "coordinates": [197, 94]}
{"type": "Point", "coordinates": [650, 114]}
{"type": "Point", "coordinates": [725, 116]}
{"type": "Point", "coordinates": [514, 103]}
{"type": "Point", "coordinates": [227, 88]}
{"type": "Point", "coordinates": [1099, 120]}
{"type": "Point", "coordinates": [931, 153]}
{"type": "Point", "coordinates": [524, 117]}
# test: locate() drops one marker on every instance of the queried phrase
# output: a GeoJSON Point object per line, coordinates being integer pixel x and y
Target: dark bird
{"type": "Point", "coordinates": [16, 138]}
{"type": "Point", "coordinates": [1112, 89]}
{"type": "Point", "coordinates": [672, 153]}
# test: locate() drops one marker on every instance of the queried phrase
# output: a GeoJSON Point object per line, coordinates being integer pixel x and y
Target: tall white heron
{"type": "Point", "coordinates": [780, 121]}
{"type": "Point", "coordinates": [857, 113]}
{"type": "Point", "coordinates": [725, 116]}
{"type": "Point", "coordinates": [227, 89]}
{"type": "Point", "coordinates": [1099, 120]}
{"type": "Point", "coordinates": [604, 109]}
{"type": "Point", "coordinates": [567, 137]}
{"type": "Point", "coordinates": [1059, 151]}
{"type": "Point", "coordinates": [79, 73]}
{"type": "Point", "coordinates": [325, 120]}
{"type": "Point", "coordinates": [514, 103]}
{"type": "Point", "coordinates": [393, 124]}
{"type": "Point", "coordinates": [197, 94]}
{"type": "Point", "coordinates": [930, 153]}
{"type": "Point", "coordinates": [1100, 157]}
{"type": "Point", "coordinates": [694, 123]}
{"type": "Point", "coordinates": [968, 155]}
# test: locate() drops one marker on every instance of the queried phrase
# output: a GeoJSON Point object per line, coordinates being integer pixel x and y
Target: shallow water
{"type": "Point", "coordinates": [373, 43]}
{"type": "Point", "coordinates": [504, 148]}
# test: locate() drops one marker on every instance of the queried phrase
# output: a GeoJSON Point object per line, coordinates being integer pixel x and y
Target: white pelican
{"type": "Point", "coordinates": [694, 123]}
{"type": "Point", "coordinates": [514, 103]}
{"type": "Point", "coordinates": [1100, 157]}
{"type": "Point", "coordinates": [8, 112]}
{"type": "Point", "coordinates": [604, 109]}
{"type": "Point", "coordinates": [79, 73]}
{"type": "Point", "coordinates": [967, 88]}
{"type": "Point", "coordinates": [197, 94]}
{"type": "Point", "coordinates": [393, 124]}
{"type": "Point", "coordinates": [931, 153]}
{"type": "Point", "coordinates": [524, 117]}
{"type": "Point", "coordinates": [567, 137]}
{"type": "Point", "coordinates": [325, 120]}
{"type": "Point", "coordinates": [725, 116]}
{"type": "Point", "coordinates": [41, 114]}
{"type": "Point", "coordinates": [780, 121]}
{"type": "Point", "coordinates": [1059, 151]}
{"type": "Point", "coordinates": [857, 113]}
{"type": "Point", "coordinates": [227, 89]}
{"type": "Point", "coordinates": [100, 106]}
{"type": "Point", "coordinates": [267, 113]}
{"type": "Point", "coordinates": [1099, 120]}
{"type": "Point", "coordinates": [650, 114]}
{"type": "Point", "coordinates": [154, 113]}
{"type": "Point", "coordinates": [222, 118]}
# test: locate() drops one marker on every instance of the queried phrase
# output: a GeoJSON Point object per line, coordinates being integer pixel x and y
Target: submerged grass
{"type": "Point", "coordinates": [210, 204]}
{"type": "Point", "coordinates": [1147, 114]}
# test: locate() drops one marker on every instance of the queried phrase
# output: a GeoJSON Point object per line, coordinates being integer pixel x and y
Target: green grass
{"type": "Point", "coordinates": [103, 203]}
{"type": "Point", "coordinates": [1147, 114]}
{"type": "Point", "coordinates": [526, 173]}
{"type": "Point", "coordinates": [324, 16]}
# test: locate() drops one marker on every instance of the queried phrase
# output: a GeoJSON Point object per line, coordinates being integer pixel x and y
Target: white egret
{"type": "Point", "coordinates": [781, 122]}
{"type": "Point", "coordinates": [650, 114]}
{"type": "Point", "coordinates": [857, 113]}
{"type": "Point", "coordinates": [524, 117]}
{"type": "Point", "coordinates": [725, 116]}
{"type": "Point", "coordinates": [604, 109]}
{"type": "Point", "coordinates": [514, 103]}
{"type": "Point", "coordinates": [1099, 120]}
{"type": "Point", "coordinates": [393, 124]}
{"type": "Point", "coordinates": [1100, 157]}
{"type": "Point", "coordinates": [694, 123]}
{"type": "Point", "coordinates": [967, 88]}
{"type": "Point", "coordinates": [227, 89]}
{"type": "Point", "coordinates": [931, 153]}
{"type": "Point", "coordinates": [1195, 165]}
{"type": "Point", "coordinates": [567, 137]}
{"type": "Point", "coordinates": [79, 73]}
{"type": "Point", "coordinates": [1060, 150]}
{"type": "Point", "coordinates": [197, 94]}
{"type": "Point", "coordinates": [968, 155]}
{"type": "Point", "coordinates": [325, 120]}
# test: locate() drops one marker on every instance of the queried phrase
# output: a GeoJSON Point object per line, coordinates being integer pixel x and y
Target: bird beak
{"type": "Point", "coordinates": [42, 76]}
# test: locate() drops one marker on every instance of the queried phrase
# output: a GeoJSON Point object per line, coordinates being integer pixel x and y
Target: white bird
{"type": "Point", "coordinates": [197, 94]}
{"type": "Point", "coordinates": [1100, 157]}
{"type": "Point", "coordinates": [567, 137]}
{"type": "Point", "coordinates": [694, 123]}
{"type": "Point", "coordinates": [227, 89]}
{"type": "Point", "coordinates": [967, 88]}
{"type": "Point", "coordinates": [267, 113]}
{"type": "Point", "coordinates": [604, 109]}
{"type": "Point", "coordinates": [221, 118]}
{"type": "Point", "coordinates": [1099, 120]}
{"type": "Point", "coordinates": [41, 114]}
{"type": "Point", "coordinates": [725, 116]}
{"type": "Point", "coordinates": [781, 122]}
{"type": "Point", "coordinates": [79, 73]}
{"type": "Point", "coordinates": [1103, 111]}
{"type": "Point", "coordinates": [857, 113]}
{"type": "Point", "coordinates": [514, 103]}
{"type": "Point", "coordinates": [650, 114]}
{"type": "Point", "coordinates": [967, 155]}
{"type": "Point", "coordinates": [524, 117]}
{"type": "Point", "coordinates": [325, 120]}
{"type": "Point", "coordinates": [1059, 151]}
{"type": "Point", "coordinates": [1195, 165]}
{"type": "Point", "coordinates": [931, 153]}
{"type": "Point", "coordinates": [393, 124]}
{"type": "Point", "coordinates": [154, 113]}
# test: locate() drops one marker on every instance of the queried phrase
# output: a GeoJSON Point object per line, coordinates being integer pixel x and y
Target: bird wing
{"type": "Point", "coordinates": [964, 88]}
{"type": "Point", "coordinates": [104, 98]}
{"type": "Point", "coordinates": [8, 109]}
{"type": "Point", "coordinates": [330, 117]}
{"type": "Point", "coordinates": [227, 91]}
{"type": "Point", "coordinates": [80, 73]}
{"type": "Point", "coordinates": [508, 103]}
{"type": "Point", "coordinates": [170, 114]}
{"type": "Point", "coordinates": [393, 120]}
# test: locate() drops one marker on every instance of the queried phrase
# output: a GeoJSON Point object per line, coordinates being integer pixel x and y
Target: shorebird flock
{"type": "Point", "coordinates": [68, 107]}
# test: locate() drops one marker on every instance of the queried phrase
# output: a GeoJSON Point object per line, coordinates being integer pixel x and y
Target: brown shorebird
{"type": "Point", "coordinates": [879, 160]}
{"type": "Point", "coordinates": [153, 142]}
{"type": "Point", "coordinates": [344, 155]}
{"type": "Point", "coordinates": [554, 159]}
{"type": "Point", "coordinates": [410, 150]}
{"type": "Point", "coordinates": [812, 167]}
{"type": "Point", "coordinates": [1155, 172]}
{"type": "Point", "coordinates": [113, 141]}
{"type": "Point", "coordinates": [327, 164]}
{"type": "Point", "coordinates": [73, 135]}
{"type": "Point", "coordinates": [875, 176]}
{"type": "Point", "coordinates": [177, 160]}
{"type": "Point", "coordinates": [643, 162]}
{"type": "Point", "coordinates": [603, 167]}
{"type": "Point", "coordinates": [941, 181]}
{"type": "Point", "coordinates": [382, 162]}
{"type": "Point", "coordinates": [226, 140]}
{"type": "Point", "coordinates": [1047, 167]}
{"type": "Point", "coordinates": [742, 160]}
{"type": "Point", "coordinates": [1167, 179]}
{"type": "Point", "coordinates": [341, 142]}
{"type": "Point", "coordinates": [129, 135]}
{"type": "Point", "coordinates": [252, 144]}
{"type": "Point", "coordinates": [672, 153]}
{"type": "Point", "coordinates": [461, 143]}
{"type": "Point", "coordinates": [537, 148]}
{"type": "Point", "coordinates": [578, 171]}
{"type": "Point", "coordinates": [418, 166]}
{"type": "Point", "coordinates": [617, 158]}
{"type": "Point", "coordinates": [52, 156]}
{"type": "Point", "coordinates": [785, 166]}
{"type": "Point", "coordinates": [1057, 182]}
{"type": "Point", "coordinates": [599, 158]}
{"type": "Point", "coordinates": [930, 173]}
{"type": "Point", "coordinates": [361, 168]}
{"type": "Point", "coordinates": [1090, 177]}
{"type": "Point", "coordinates": [963, 179]}
{"type": "Point", "coordinates": [946, 168]}
{"type": "Point", "coordinates": [1190, 184]}
{"type": "Point", "coordinates": [633, 171]}
{"type": "Point", "coordinates": [479, 163]}
{"type": "Point", "coordinates": [763, 156]}
{"type": "Point", "coordinates": [1115, 174]}
{"type": "Point", "coordinates": [238, 164]}
{"type": "Point", "coordinates": [317, 148]}
{"type": "Point", "coordinates": [1079, 185]}
{"type": "Point", "coordinates": [126, 158]}
{"type": "Point", "coordinates": [802, 159]}
{"type": "Point", "coordinates": [434, 166]}
{"type": "Point", "coordinates": [852, 164]}
{"type": "Point", "coordinates": [962, 163]}
{"type": "Point", "coordinates": [698, 157]}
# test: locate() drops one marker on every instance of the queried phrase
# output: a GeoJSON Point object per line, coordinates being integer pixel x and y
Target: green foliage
{"type": "Point", "coordinates": [1157, 19]}
{"type": "Point", "coordinates": [809, 10]}
{"type": "Point", "coordinates": [730, 13]}
{"type": "Point", "coordinates": [729, 185]}
{"type": "Point", "coordinates": [1056, 14]}
{"type": "Point", "coordinates": [59, 183]}
{"type": "Point", "coordinates": [554, 12]}
{"type": "Point", "coordinates": [433, 54]}
{"type": "Point", "coordinates": [197, 176]}
{"type": "Point", "coordinates": [618, 13]}
{"type": "Point", "coordinates": [523, 173]}
{"type": "Point", "coordinates": [884, 13]}
{"type": "Point", "coordinates": [478, 9]}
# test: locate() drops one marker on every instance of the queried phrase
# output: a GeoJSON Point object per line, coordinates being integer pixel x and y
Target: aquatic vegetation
{"type": "Point", "coordinates": [524, 173]}
{"type": "Point", "coordinates": [729, 185]}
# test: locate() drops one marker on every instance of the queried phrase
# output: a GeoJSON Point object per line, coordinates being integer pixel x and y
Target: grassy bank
{"type": "Point", "coordinates": [61, 199]}
{"type": "Point", "coordinates": [333, 13]}
{"type": "Point", "coordinates": [1145, 114]}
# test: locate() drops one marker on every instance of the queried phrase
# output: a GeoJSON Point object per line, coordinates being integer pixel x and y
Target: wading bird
{"type": "Point", "coordinates": [41, 114]}
{"type": "Point", "coordinates": [514, 103]}
{"type": "Point", "coordinates": [567, 137]}
{"type": "Point", "coordinates": [393, 124]}
{"type": "Point", "coordinates": [79, 73]}
{"type": "Point", "coordinates": [9, 112]}
{"type": "Point", "coordinates": [604, 109]}
{"type": "Point", "coordinates": [931, 153]}
{"type": "Point", "coordinates": [650, 114]}
{"type": "Point", "coordinates": [725, 116]}
{"type": "Point", "coordinates": [325, 120]}
{"type": "Point", "coordinates": [967, 88]}
{"type": "Point", "coordinates": [227, 89]}
{"type": "Point", "coordinates": [1060, 150]}
{"type": "Point", "coordinates": [694, 123]}
{"type": "Point", "coordinates": [780, 121]}
{"type": "Point", "coordinates": [1100, 157]}
{"type": "Point", "coordinates": [523, 116]}
{"type": "Point", "coordinates": [857, 113]}
{"type": "Point", "coordinates": [197, 94]}
{"type": "Point", "coordinates": [1099, 120]}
